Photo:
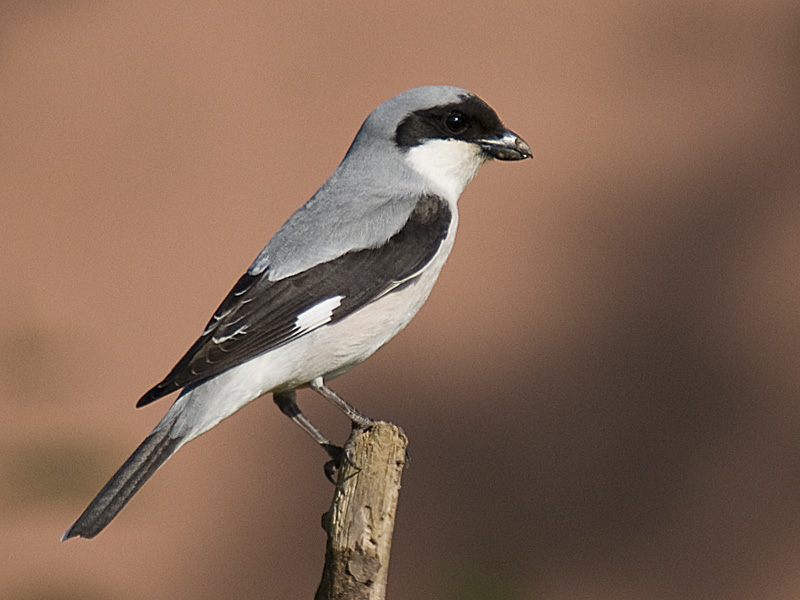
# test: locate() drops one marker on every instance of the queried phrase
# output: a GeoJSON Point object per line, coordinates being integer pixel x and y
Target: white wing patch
{"type": "Point", "coordinates": [317, 315]}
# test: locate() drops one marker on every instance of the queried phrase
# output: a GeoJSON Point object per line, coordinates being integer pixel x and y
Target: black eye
{"type": "Point", "coordinates": [455, 123]}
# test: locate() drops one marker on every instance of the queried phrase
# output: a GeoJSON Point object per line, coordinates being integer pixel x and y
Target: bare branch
{"type": "Point", "coordinates": [360, 520]}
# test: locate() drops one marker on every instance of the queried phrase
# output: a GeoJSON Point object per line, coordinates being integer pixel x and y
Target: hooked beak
{"type": "Point", "coordinates": [507, 146]}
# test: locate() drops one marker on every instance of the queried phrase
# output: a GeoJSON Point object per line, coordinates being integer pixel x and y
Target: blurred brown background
{"type": "Point", "coordinates": [602, 392]}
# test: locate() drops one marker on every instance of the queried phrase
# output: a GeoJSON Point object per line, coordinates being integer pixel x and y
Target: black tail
{"type": "Point", "coordinates": [148, 457]}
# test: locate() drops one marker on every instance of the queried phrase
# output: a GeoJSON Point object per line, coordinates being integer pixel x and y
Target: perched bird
{"type": "Point", "coordinates": [338, 280]}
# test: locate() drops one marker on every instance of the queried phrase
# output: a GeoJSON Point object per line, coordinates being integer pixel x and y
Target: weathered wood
{"type": "Point", "coordinates": [360, 520]}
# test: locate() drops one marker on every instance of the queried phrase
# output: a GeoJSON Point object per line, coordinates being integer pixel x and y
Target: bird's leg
{"type": "Point", "coordinates": [359, 420]}
{"type": "Point", "coordinates": [287, 402]}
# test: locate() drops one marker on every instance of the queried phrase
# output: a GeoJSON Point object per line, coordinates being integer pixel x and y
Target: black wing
{"type": "Point", "coordinates": [259, 315]}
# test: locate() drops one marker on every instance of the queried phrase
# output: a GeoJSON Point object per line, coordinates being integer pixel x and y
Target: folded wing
{"type": "Point", "coordinates": [259, 314]}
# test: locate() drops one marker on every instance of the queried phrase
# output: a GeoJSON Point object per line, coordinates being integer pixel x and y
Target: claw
{"type": "Point", "coordinates": [338, 456]}
{"type": "Point", "coordinates": [333, 450]}
{"type": "Point", "coordinates": [330, 471]}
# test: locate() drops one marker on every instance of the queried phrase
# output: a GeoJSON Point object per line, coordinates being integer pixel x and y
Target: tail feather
{"type": "Point", "coordinates": [148, 457]}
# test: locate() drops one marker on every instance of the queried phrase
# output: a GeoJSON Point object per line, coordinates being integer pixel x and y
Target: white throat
{"type": "Point", "coordinates": [446, 165]}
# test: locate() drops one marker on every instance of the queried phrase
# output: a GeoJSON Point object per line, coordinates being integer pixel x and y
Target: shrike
{"type": "Point", "coordinates": [338, 280]}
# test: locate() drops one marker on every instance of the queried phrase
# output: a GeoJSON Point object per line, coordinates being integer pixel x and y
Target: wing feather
{"type": "Point", "coordinates": [259, 314]}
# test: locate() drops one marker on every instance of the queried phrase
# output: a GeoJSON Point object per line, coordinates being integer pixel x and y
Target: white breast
{"type": "Point", "coordinates": [325, 352]}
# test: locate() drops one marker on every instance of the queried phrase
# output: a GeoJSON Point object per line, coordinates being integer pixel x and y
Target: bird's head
{"type": "Point", "coordinates": [444, 134]}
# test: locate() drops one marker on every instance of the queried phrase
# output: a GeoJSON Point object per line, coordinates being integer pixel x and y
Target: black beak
{"type": "Point", "coordinates": [507, 146]}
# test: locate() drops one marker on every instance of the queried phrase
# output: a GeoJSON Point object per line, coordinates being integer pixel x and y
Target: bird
{"type": "Point", "coordinates": [342, 276]}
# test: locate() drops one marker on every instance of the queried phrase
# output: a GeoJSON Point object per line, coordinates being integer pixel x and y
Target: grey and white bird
{"type": "Point", "coordinates": [343, 275]}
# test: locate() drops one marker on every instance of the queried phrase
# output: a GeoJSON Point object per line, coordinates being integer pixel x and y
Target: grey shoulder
{"type": "Point", "coordinates": [324, 229]}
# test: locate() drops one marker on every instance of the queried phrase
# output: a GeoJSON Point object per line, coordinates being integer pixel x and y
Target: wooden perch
{"type": "Point", "coordinates": [360, 520]}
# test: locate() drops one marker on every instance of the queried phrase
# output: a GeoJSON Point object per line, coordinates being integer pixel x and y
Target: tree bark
{"type": "Point", "coordinates": [360, 520]}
